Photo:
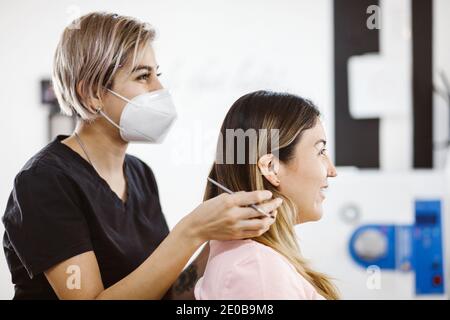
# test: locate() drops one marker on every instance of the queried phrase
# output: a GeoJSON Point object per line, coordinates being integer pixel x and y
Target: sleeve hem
{"type": "Point", "coordinates": [36, 268]}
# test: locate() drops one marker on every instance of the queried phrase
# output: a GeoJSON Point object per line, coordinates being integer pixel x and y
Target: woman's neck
{"type": "Point", "coordinates": [103, 144]}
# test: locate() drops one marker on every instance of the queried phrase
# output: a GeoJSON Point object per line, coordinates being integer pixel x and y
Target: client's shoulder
{"type": "Point", "coordinates": [246, 269]}
{"type": "Point", "coordinates": [238, 252]}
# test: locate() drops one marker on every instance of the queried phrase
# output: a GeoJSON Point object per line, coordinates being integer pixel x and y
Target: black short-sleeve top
{"type": "Point", "coordinates": [60, 207]}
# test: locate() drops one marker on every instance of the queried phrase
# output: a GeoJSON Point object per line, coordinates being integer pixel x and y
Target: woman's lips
{"type": "Point", "coordinates": [323, 191]}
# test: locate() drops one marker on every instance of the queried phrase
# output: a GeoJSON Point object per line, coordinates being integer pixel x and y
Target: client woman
{"type": "Point", "coordinates": [296, 168]}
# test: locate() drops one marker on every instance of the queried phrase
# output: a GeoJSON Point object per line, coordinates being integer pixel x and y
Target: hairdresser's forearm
{"type": "Point", "coordinates": [157, 273]}
{"type": "Point", "coordinates": [183, 288]}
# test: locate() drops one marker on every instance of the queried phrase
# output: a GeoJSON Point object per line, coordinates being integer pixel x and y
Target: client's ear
{"type": "Point", "coordinates": [269, 166]}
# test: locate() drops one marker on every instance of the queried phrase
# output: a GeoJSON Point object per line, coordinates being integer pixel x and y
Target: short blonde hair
{"type": "Point", "coordinates": [88, 55]}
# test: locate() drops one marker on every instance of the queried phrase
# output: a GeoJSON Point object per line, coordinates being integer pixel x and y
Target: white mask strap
{"type": "Point", "coordinates": [119, 96]}
{"type": "Point", "coordinates": [109, 119]}
{"type": "Point", "coordinates": [120, 128]}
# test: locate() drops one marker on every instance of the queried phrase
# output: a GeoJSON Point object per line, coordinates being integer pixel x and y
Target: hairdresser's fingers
{"type": "Point", "coordinates": [270, 206]}
{"type": "Point", "coordinates": [262, 224]}
{"type": "Point", "coordinates": [274, 213]}
{"type": "Point", "coordinates": [249, 213]}
{"type": "Point", "coordinates": [246, 213]}
{"type": "Point", "coordinates": [243, 198]}
{"type": "Point", "coordinates": [267, 207]}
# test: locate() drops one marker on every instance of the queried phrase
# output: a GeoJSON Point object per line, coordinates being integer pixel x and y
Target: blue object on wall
{"type": "Point", "coordinates": [405, 248]}
{"type": "Point", "coordinates": [366, 237]}
{"type": "Point", "coordinates": [427, 248]}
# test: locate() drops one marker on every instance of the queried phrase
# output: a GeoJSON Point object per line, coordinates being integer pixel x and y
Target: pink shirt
{"type": "Point", "coordinates": [246, 269]}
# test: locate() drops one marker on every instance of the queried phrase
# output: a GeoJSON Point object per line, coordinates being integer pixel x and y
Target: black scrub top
{"type": "Point", "coordinates": [60, 207]}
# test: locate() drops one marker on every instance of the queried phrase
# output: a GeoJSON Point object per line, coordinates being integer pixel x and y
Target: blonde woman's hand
{"type": "Point", "coordinates": [229, 217]}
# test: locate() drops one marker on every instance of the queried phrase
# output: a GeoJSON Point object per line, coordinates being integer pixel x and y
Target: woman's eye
{"type": "Point", "coordinates": [144, 76]}
{"type": "Point", "coordinates": [323, 151]}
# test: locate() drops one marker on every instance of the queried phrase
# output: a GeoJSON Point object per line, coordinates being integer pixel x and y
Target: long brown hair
{"type": "Point", "coordinates": [289, 115]}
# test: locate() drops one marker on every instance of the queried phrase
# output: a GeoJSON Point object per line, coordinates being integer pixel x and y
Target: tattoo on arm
{"type": "Point", "coordinates": [187, 279]}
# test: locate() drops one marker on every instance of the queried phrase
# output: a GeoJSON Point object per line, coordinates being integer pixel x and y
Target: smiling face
{"type": "Point", "coordinates": [292, 163]}
{"type": "Point", "coordinates": [305, 177]}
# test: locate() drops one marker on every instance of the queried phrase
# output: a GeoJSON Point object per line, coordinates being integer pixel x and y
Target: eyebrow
{"type": "Point", "coordinates": [321, 141]}
{"type": "Point", "coordinates": [144, 67]}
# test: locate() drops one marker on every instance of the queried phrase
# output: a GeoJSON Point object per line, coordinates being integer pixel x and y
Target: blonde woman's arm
{"type": "Point", "coordinates": [224, 217]}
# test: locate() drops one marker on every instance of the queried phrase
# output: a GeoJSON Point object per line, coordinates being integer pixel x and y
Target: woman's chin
{"type": "Point", "coordinates": [313, 215]}
{"type": "Point", "coordinates": [317, 216]}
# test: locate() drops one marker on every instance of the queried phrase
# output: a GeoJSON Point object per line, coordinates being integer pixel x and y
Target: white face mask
{"type": "Point", "coordinates": [147, 117]}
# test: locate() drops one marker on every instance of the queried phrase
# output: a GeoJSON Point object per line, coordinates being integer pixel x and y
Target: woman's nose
{"type": "Point", "coordinates": [332, 172]}
{"type": "Point", "coordinates": [154, 85]}
{"type": "Point", "coordinates": [158, 85]}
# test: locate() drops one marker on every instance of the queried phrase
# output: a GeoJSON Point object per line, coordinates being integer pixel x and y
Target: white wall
{"type": "Point", "coordinates": [210, 52]}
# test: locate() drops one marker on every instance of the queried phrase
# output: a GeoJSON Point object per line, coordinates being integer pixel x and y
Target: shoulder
{"type": "Point", "coordinates": [247, 252]}
{"type": "Point", "coordinates": [246, 269]}
{"type": "Point", "coordinates": [44, 166]}
{"type": "Point", "coordinates": [52, 160]}
{"type": "Point", "coordinates": [42, 190]}
{"type": "Point", "coordinates": [46, 178]}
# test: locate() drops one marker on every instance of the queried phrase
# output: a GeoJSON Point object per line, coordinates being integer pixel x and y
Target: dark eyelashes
{"type": "Point", "coordinates": [145, 76]}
